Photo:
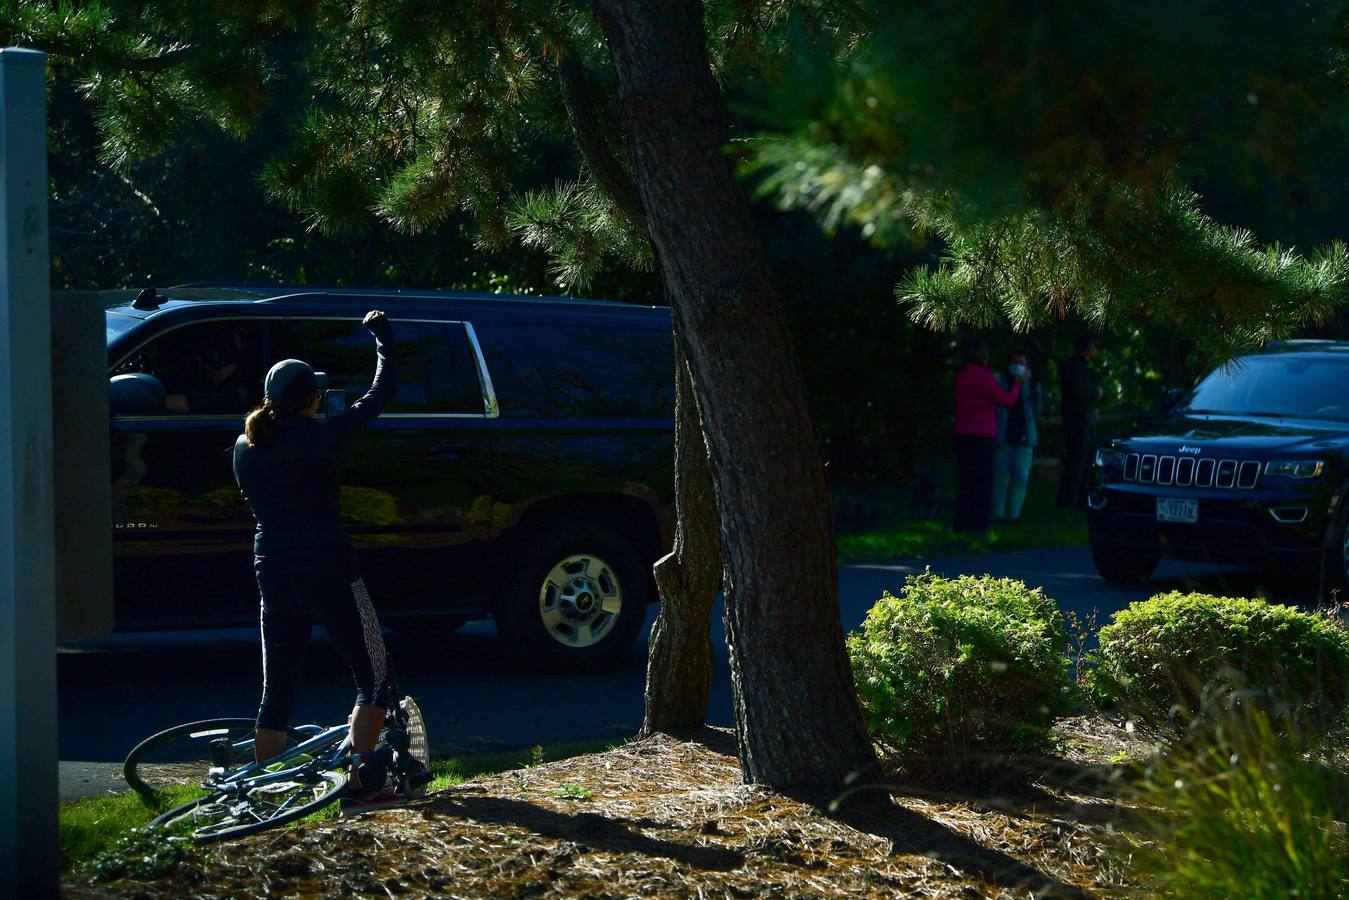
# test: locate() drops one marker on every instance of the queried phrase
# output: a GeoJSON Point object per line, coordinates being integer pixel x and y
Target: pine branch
{"type": "Point", "coordinates": [591, 134]}
{"type": "Point", "coordinates": [97, 58]}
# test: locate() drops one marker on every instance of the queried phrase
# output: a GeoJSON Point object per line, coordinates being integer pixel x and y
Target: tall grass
{"type": "Point", "coordinates": [1236, 810]}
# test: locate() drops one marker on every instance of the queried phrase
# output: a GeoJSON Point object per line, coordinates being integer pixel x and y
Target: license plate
{"type": "Point", "coordinates": [1170, 509]}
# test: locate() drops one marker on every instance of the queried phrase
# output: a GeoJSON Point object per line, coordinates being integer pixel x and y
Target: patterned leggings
{"type": "Point", "coordinates": [290, 603]}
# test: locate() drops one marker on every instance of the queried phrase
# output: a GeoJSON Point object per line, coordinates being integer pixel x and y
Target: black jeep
{"type": "Point", "coordinates": [1248, 467]}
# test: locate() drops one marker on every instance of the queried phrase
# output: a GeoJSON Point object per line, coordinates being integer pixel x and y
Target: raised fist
{"type": "Point", "coordinates": [378, 323]}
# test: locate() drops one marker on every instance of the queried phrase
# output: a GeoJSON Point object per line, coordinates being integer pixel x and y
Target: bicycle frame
{"type": "Point", "coordinates": [257, 774]}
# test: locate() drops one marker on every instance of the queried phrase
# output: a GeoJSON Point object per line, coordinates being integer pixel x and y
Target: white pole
{"type": "Point", "coordinates": [29, 860]}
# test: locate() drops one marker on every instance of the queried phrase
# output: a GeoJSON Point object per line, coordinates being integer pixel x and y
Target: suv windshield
{"type": "Point", "coordinates": [1295, 386]}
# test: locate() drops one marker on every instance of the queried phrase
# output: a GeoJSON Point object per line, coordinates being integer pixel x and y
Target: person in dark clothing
{"type": "Point", "coordinates": [286, 464]}
{"type": "Point", "coordinates": [217, 386]}
{"type": "Point", "coordinates": [1080, 393]}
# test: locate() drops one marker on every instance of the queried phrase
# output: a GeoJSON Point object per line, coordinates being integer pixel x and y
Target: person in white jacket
{"type": "Point", "coordinates": [1015, 443]}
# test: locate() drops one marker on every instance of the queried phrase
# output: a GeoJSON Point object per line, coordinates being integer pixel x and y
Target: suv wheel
{"type": "Point", "coordinates": [576, 599]}
{"type": "Point", "coordinates": [1123, 566]}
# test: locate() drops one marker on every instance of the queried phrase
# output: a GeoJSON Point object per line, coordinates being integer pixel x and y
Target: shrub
{"type": "Point", "coordinates": [955, 667]}
{"type": "Point", "coordinates": [1159, 658]}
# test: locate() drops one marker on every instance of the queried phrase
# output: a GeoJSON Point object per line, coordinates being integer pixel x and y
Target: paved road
{"type": "Point", "coordinates": [115, 691]}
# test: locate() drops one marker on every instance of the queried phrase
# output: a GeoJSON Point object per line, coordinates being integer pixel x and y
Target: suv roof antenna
{"type": "Point", "coordinates": [146, 299]}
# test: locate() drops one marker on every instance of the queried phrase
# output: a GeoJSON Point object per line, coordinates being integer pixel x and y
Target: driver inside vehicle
{"type": "Point", "coordinates": [216, 381]}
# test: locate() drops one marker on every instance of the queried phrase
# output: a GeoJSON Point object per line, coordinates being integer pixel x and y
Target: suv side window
{"type": "Point", "coordinates": [602, 371]}
{"type": "Point", "coordinates": [207, 368]}
{"type": "Point", "coordinates": [435, 366]}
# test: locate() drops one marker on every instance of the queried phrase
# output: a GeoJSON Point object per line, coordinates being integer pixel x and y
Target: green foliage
{"type": "Point", "coordinates": [1057, 175]}
{"type": "Point", "coordinates": [1158, 257]}
{"type": "Point", "coordinates": [138, 854]}
{"type": "Point", "coordinates": [108, 833]}
{"type": "Point", "coordinates": [152, 69]}
{"type": "Point", "coordinates": [1236, 812]}
{"type": "Point", "coordinates": [955, 667]}
{"type": "Point", "coordinates": [1042, 524]}
{"type": "Point", "coordinates": [578, 226]}
{"type": "Point", "coordinates": [411, 114]}
{"type": "Point", "coordinates": [1170, 656]}
{"type": "Point", "coordinates": [571, 791]}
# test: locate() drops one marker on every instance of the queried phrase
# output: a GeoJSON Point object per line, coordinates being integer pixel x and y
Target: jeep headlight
{"type": "Point", "coordinates": [1295, 468]}
{"type": "Point", "coordinates": [1108, 457]}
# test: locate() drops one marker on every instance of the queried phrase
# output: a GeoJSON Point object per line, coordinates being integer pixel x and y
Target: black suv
{"type": "Point", "coordinates": [1248, 467]}
{"type": "Point", "coordinates": [524, 471]}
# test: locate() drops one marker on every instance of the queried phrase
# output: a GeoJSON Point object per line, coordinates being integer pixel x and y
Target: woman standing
{"type": "Point", "coordinates": [1016, 441]}
{"type": "Point", "coordinates": [978, 396]}
{"type": "Point", "coordinates": [286, 463]}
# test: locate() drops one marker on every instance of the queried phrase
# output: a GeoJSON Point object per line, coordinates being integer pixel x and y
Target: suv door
{"type": "Point", "coordinates": [416, 487]}
{"type": "Point", "coordinates": [182, 534]}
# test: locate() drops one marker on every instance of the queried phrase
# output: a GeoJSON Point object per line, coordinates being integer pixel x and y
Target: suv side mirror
{"type": "Point", "coordinates": [135, 394]}
{"type": "Point", "coordinates": [1171, 398]}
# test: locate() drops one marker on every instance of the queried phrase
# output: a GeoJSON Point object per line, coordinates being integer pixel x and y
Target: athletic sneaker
{"type": "Point", "coordinates": [365, 802]}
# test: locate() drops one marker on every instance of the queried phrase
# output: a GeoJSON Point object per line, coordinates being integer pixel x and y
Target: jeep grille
{"type": "Point", "coordinates": [1186, 471]}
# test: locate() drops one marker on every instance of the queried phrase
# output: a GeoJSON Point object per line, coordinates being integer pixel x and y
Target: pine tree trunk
{"type": "Point", "coordinates": [679, 658]}
{"type": "Point", "coordinates": [795, 706]}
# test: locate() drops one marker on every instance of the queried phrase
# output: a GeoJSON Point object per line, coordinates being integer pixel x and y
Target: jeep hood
{"type": "Point", "coordinates": [1237, 435]}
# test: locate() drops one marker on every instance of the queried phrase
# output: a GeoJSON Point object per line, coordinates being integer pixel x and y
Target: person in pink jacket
{"type": "Point", "coordinates": [978, 396]}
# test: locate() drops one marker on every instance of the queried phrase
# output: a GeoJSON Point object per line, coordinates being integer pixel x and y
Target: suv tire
{"type": "Point", "coordinates": [575, 597]}
{"type": "Point", "coordinates": [1119, 566]}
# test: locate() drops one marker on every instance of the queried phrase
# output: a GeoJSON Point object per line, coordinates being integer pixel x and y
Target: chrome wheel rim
{"type": "Point", "coordinates": [580, 601]}
{"type": "Point", "coordinates": [220, 815]}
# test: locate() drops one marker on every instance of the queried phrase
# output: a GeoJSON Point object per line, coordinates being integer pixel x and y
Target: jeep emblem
{"type": "Point", "coordinates": [1185, 449]}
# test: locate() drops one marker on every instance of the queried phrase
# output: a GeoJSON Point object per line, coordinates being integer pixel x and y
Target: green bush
{"type": "Point", "coordinates": [952, 668]}
{"type": "Point", "coordinates": [1162, 659]}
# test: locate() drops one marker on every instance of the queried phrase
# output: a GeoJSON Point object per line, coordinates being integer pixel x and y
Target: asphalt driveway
{"type": "Point", "coordinates": [118, 690]}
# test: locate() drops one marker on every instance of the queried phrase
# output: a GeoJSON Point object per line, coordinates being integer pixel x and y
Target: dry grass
{"type": "Point", "coordinates": [670, 818]}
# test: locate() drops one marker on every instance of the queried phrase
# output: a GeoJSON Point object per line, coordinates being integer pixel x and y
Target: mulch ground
{"type": "Point", "coordinates": [665, 817]}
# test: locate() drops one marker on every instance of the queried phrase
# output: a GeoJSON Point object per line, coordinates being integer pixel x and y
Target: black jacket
{"type": "Point", "coordinates": [292, 485]}
{"type": "Point", "coordinates": [1079, 391]}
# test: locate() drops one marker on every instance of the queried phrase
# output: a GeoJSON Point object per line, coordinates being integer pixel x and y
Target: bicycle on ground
{"type": "Point", "coordinates": [243, 797]}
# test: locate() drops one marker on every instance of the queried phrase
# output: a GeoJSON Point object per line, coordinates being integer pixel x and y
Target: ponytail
{"type": "Point", "coordinates": [260, 428]}
{"type": "Point", "coordinates": [263, 425]}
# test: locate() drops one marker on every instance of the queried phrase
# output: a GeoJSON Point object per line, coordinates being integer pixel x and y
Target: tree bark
{"type": "Point", "coordinates": [679, 656]}
{"type": "Point", "coordinates": [796, 710]}
{"type": "Point", "coordinates": [590, 127]}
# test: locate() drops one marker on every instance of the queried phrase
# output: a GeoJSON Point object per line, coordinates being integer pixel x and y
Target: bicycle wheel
{"type": "Point", "coordinates": [229, 814]}
{"type": "Point", "coordinates": [181, 755]}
